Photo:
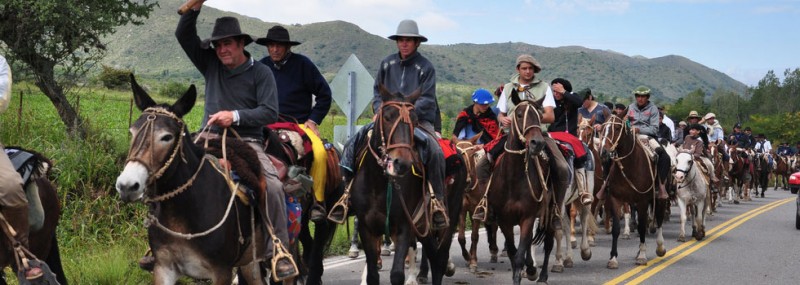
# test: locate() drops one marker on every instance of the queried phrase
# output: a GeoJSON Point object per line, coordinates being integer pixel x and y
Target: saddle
{"type": "Point", "coordinates": [30, 166]}
{"type": "Point", "coordinates": [245, 167]}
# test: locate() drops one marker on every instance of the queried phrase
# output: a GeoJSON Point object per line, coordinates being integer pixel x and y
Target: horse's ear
{"type": "Point", "coordinates": [414, 96]}
{"type": "Point", "coordinates": [140, 97]}
{"type": "Point", "coordinates": [515, 96]}
{"type": "Point", "coordinates": [474, 139]}
{"type": "Point", "coordinates": [186, 102]}
{"type": "Point", "coordinates": [538, 103]}
{"type": "Point", "coordinates": [385, 94]}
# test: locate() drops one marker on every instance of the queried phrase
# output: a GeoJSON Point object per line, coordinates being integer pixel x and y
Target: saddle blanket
{"type": "Point", "coordinates": [564, 137]}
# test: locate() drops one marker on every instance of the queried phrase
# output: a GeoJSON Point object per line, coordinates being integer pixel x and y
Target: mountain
{"type": "Point", "coordinates": [151, 49]}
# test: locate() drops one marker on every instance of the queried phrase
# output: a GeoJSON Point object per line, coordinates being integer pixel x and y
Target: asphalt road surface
{"type": "Point", "coordinates": [750, 243]}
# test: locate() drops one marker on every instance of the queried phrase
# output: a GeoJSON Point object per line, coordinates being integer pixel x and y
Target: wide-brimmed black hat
{"type": "Point", "coordinates": [277, 34]}
{"type": "Point", "coordinates": [226, 27]}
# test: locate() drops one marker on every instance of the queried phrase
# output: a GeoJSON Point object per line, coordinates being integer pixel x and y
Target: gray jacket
{"type": "Point", "coordinates": [406, 76]}
{"type": "Point", "coordinates": [645, 118]}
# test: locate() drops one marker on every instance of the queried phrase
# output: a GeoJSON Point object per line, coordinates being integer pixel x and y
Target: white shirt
{"type": "Point", "coordinates": [549, 100]}
{"type": "Point", "coordinates": [5, 84]}
{"type": "Point", "coordinates": [767, 146]}
{"type": "Point", "coordinates": [670, 124]}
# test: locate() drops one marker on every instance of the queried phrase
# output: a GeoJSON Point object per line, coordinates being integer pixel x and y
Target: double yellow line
{"type": "Point", "coordinates": [681, 251]}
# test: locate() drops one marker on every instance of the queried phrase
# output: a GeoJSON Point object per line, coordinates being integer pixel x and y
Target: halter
{"type": "Point", "coordinates": [614, 139]}
{"type": "Point", "coordinates": [387, 143]}
{"type": "Point", "coordinates": [525, 128]}
{"type": "Point", "coordinates": [464, 147]}
{"type": "Point", "coordinates": [148, 131]}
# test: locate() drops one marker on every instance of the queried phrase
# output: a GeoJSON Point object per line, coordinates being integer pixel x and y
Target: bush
{"type": "Point", "coordinates": [173, 89]}
{"type": "Point", "coordinates": [113, 78]}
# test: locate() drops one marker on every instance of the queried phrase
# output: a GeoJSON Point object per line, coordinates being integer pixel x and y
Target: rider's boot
{"type": "Point", "coordinates": [318, 213]}
{"type": "Point", "coordinates": [582, 186]}
{"type": "Point", "coordinates": [18, 219]}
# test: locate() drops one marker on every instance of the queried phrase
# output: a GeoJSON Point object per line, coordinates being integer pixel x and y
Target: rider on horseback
{"type": "Point", "coordinates": [478, 118]}
{"type": "Point", "coordinates": [525, 85]}
{"type": "Point", "coordinates": [13, 201]}
{"type": "Point", "coordinates": [304, 95]}
{"type": "Point", "coordinates": [643, 117]}
{"type": "Point", "coordinates": [564, 130]}
{"type": "Point", "coordinates": [696, 144]}
{"type": "Point", "coordinates": [404, 72]}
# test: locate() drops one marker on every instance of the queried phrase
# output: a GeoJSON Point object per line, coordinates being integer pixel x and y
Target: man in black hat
{"type": "Point", "coordinates": [619, 109]}
{"type": "Point", "coordinates": [304, 95]}
{"type": "Point", "coordinates": [751, 140]}
{"type": "Point", "coordinates": [405, 72]}
{"type": "Point", "coordinates": [240, 94]}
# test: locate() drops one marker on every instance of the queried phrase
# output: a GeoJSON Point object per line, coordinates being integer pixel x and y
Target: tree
{"type": "Point", "coordinates": [58, 41]}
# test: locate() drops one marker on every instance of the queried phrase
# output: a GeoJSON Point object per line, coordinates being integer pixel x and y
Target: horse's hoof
{"type": "Point", "coordinates": [353, 253]}
{"type": "Point", "coordinates": [586, 254]}
{"type": "Point", "coordinates": [641, 261]}
{"type": "Point", "coordinates": [473, 268]}
{"type": "Point", "coordinates": [531, 275]}
{"type": "Point", "coordinates": [626, 236]}
{"type": "Point", "coordinates": [420, 280]}
{"type": "Point", "coordinates": [504, 253]}
{"type": "Point", "coordinates": [574, 244]}
{"type": "Point", "coordinates": [556, 269]}
{"type": "Point", "coordinates": [380, 264]}
{"type": "Point", "coordinates": [493, 258]}
{"type": "Point", "coordinates": [592, 243]}
{"type": "Point", "coordinates": [661, 251]}
{"type": "Point", "coordinates": [568, 262]}
{"type": "Point", "coordinates": [612, 264]}
{"type": "Point", "coordinates": [386, 252]}
{"type": "Point", "coordinates": [681, 239]}
{"type": "Point", "coordinates": [451, 269]}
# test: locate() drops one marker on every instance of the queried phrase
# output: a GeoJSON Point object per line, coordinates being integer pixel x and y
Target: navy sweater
{"type": "Point", "coordinates": [298, 81]}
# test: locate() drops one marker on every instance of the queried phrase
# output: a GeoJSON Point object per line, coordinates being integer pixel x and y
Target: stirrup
{"type": "Point", "coordinates": [437, 207]}
{"type": "Point", "coordinates": [280, 253]}
{"type": "Point", "coordinates": [341, 206]}
{"type": "Point", "coordinates": [479, 214]}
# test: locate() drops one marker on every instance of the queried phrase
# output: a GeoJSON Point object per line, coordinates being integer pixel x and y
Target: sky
{"type": "Point", "coordinates": [743, 39]}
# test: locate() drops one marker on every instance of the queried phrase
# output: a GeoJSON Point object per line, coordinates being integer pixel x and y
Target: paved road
{"type": "Point", "coordinates": [751, 243]}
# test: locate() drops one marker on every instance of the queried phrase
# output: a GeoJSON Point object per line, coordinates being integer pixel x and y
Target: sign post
{"type": "Point", "coordinates": [352, 92]}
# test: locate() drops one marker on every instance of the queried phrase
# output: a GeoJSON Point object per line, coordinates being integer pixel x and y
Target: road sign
{"type": "Point", "coordinates": [352, 91]}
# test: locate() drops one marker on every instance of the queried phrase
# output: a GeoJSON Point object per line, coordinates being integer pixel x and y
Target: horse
{"type": "Point", "coordinates": [518, 193]}
{"type": "Point", "coordinates": [633, 179]}
{"type": "Point", "coordinates": [196, 221]}
{"type": "Point", "coordinates": [279, 146]}
{"type": "Point", "coordinates": [691, 194]}
{"type": "Point", "coordinates": [761, 170]}
{"type": "Point", "coordinates": [721, 167]}
{"type": "Point", "coordinates": [741, 175]}
{"type": "Point", "coordinates": [472, 153]}
{"type": "Point", "coordinates": [782, 171]}
{"type": "Point", "coordinates": [42, 240]}
{"type": "Point", "coordinates": [390, 193]}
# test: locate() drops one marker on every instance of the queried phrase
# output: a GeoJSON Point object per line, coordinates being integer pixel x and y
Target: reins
{"type": "Point", "coordinates": [607, 126]}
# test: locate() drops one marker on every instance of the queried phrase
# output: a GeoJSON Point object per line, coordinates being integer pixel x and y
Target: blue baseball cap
{"type": "Point", "coordinates": [482, 96]}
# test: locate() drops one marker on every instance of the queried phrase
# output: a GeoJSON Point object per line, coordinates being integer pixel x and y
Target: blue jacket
{"type": "Point", "coordinates": [406, 76]}
{"type": "Point", "coordinates": [298, 81]}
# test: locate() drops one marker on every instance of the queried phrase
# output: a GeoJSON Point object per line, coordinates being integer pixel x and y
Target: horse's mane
{"type": "Point", "coordinates": [43, 164]}
{"type": "Point", "coordinates": [242, 157]}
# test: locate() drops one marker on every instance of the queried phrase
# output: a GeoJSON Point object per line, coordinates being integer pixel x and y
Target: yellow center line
{"type": "Point", "coordinates": [744, 217]}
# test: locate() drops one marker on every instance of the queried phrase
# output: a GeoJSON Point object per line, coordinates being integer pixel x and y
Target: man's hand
{"type": "Point", "coordinates": [635, 130]}
{"type": "Point", "coordinates": [598, 127]}
{"type": "Point", "coordinates": [504, 120]}
{"type": "Point", "coordinates": [222, 118]}
{"type": "Point", "coordinates": [311, 125]}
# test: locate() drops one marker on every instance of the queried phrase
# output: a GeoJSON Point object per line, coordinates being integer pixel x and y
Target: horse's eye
{"type": "Point", "coordinates": [167, 138]}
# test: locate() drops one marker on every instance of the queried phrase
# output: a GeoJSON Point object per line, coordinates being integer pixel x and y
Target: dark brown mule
{"type": "Point", "coordinates": [740, 174]}
{"type": "Point", "coordinates": [633, 179]}
{"type": "Point", "coordinates": [389, 192]}
{"type": "Point", "coordinates": [196, 223]}
{"type": "Point", "coordinates": [471, 155]}
{"type": "Point", "coordinates": [782, 172]}
{"type": "Point", "coordinates": [518, 193]}
{"type": "Point", "coordinates": [43, 243]}
{"type": "Point", "coordinates": [313, 246]}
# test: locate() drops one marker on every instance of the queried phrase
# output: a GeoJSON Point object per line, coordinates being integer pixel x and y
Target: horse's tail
{"type": "Point", "coordinates": [53, 261]}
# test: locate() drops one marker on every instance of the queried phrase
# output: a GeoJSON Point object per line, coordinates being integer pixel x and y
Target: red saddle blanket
{"type": "Point", "coordinates": [573, 141]}
{"type": "Point", "coordinates": [293, 127]}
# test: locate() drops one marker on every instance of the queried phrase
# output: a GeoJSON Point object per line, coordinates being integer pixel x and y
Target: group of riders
{"type": "Point", "coordinates": [246, 95]}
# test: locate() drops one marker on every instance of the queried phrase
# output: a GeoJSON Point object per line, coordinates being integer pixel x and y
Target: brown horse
{"type": "Point", "coordinates": [196, 221]}
{"type": "Point", "coordinates": [472, 153]}
{"type": "Point", "coordinates": [741, 175]}
{"type": "Point", "coordinates": [633, 179]}
{"type": "Point", "coordinates": [518, 192]}
{"type": "Point", "coordinates": [390, 193]}
{"type": "Point", "coordinates": [782, 171]}
{"type": "Point", "coordinates": [42, 240]}
{"type": "Point", "coordinates": [721, 167]}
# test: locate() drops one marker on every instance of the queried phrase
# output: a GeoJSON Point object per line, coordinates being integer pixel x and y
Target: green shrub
{"type": "Point", "coordinates": [113, 78]}
{"type": "Point", "coordinates": [173, 89]}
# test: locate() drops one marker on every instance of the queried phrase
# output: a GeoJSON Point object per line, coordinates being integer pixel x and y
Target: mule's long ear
{"type": "Point", "coordinates": [140, 97]}
{"type": "Point", "coordinates": [186, 102]}
{"type": "Point", "coordinates": [414, 96]}
{"type": "Point", "coordinates": [385, 94]}
{"type": "Point", "coordinates": [515, 97]}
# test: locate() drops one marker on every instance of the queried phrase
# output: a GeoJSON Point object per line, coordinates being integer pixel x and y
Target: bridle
{"type": "Point", "coordinates": [387, 142]}
{"type": "Point", "coordinates": [466, 147]}
{"type": "Point", "coordinates": [610, 135]}
{"type": "Point", "coordinates": [520, 132]}
{"type": "Point", "coordinates": [148, 132]}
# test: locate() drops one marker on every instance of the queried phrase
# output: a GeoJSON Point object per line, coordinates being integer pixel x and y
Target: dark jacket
{"type": "Point", "coordinates": [406, 76]}
{"type": "Point", "coordinates": [566, 114]}
{"type": "Point", "coordinates": [486, 123]}
{"type": "Point", "coordinates": [300, 86]}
